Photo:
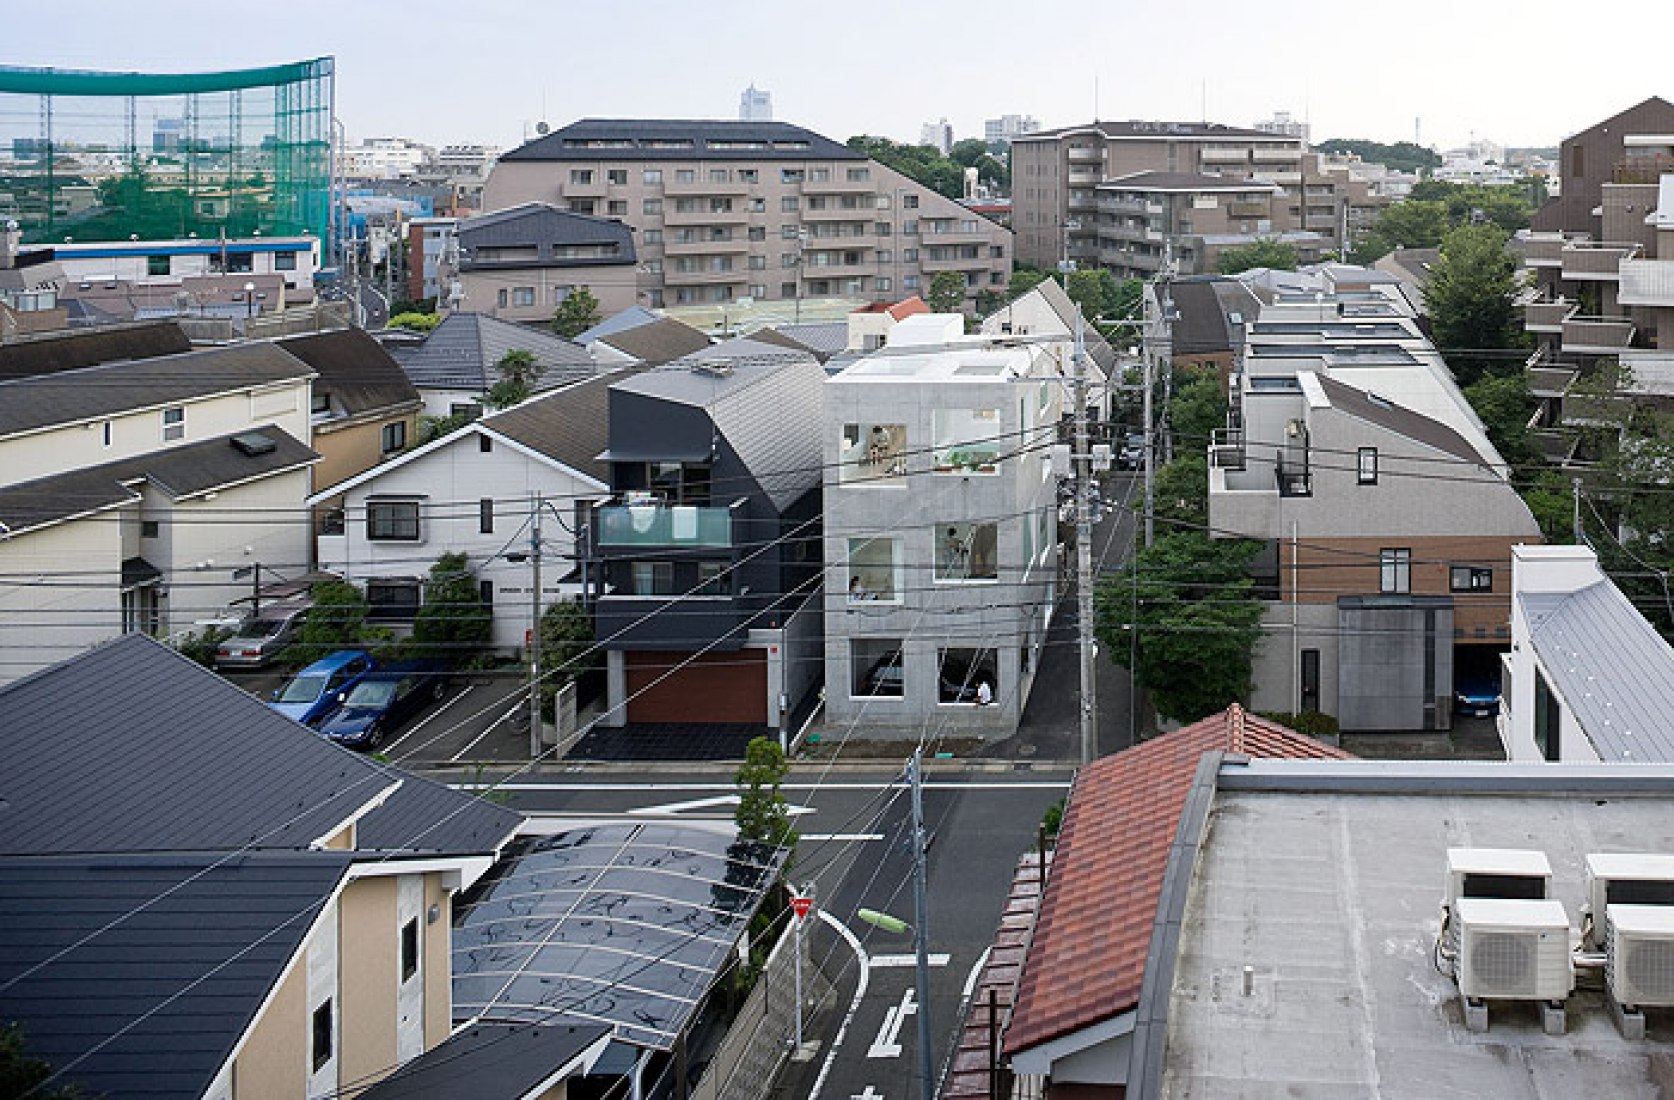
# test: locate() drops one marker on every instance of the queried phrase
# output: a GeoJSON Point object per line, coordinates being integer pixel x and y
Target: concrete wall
{"type": "Point", "coordinates": [756, 1045]}
{"type": "Point", "coordinates": [1394, 668]}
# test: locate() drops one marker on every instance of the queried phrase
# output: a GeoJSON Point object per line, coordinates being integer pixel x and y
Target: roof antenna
{"type": "Point", "coordinates": [1095, 99]}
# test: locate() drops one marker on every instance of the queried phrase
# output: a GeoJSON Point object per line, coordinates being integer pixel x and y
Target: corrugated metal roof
{"type": "Point", "coordinates": [461, 353]}
{"type": "Point", "coordinates": [179, 950]}
{"type": "Point", "coordinates": [1613, 669]}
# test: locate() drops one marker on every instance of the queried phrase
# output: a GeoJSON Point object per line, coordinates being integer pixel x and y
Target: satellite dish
{"type": "Point", "coordinates": [542, 128]}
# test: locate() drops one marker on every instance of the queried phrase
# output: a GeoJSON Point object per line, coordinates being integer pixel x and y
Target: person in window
{"type": "Point", "coordinates": [858, 591]}
{"type": "Point", "coordinates": [953, 554]}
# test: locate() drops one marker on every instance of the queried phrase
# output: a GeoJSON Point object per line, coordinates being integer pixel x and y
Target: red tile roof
{"type": "Point", "coordinates": [1087, 958]}
{"type": "Point", "coordinates": [908, 307]}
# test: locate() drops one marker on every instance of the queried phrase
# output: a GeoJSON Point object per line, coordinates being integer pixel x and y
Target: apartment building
{"type": "Point", "coordinates": [519, 264]}
{"type": "Point", "coordinates": [1385, 514]}
{"type": "Point", "coordinates": [724, 211]}
{"type": "Point", "coordinates": [1602, 249]}
{"type": "Point", "coordinates": [940, 529]}
{"type": "Point", "coordinates": [1066, 205]}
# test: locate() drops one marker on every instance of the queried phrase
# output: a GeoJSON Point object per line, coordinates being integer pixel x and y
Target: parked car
{"type": "Point", "coordinates": [1476, 695]}
{"type": "Point", "coordinates": [313, 692]}
{"type": "Point", "coordinates": [382, 702]}
{"type": "Point", "coordinates": [261, 637]}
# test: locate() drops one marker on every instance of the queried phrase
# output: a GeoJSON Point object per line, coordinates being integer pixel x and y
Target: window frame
{"type": "Point", "coordinates": [322, 1042]}
{"type": "Point", "coordinates": [410, 953]}
{"type": "Point", "coordinates": [174, 423]}
{"type": "Point", "coordinates": [1366, 466]}
{"type": "Point", "coordinates": [387, 519]}
{"type": "Point", "coordinates": [393, 436]}
{"type": "Point", "coordinates": [1395, 571]}
{"type": "Point", "coordinates": [1470, 578]}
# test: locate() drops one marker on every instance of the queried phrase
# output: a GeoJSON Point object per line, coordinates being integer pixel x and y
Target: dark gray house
{"type": "Point", "coordinates": [706, 557]}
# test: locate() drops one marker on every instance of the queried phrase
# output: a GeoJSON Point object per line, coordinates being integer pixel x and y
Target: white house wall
{"type": "Point", "coordinates": [204, 540]}
{"type": "Point", "coordinates": [58, 593]}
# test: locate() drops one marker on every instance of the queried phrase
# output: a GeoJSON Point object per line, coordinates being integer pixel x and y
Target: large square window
{"type": "Point", "coordinates": [875, 668]}
{"type": "Point", "coordinates": [967, 441]}
{"type": "Point", "coordinates": [653, 578]}
{"type": "Point", "coordinates": [1395, 571]}
{"type": "Point", "coordinates": [874, 570]}
{"type": "Point", "coordinates": [394, 599]}
{"type": "Point", "coordinates": [872, 454]}
{"type": "Point", "coordinates": [967, 552]}
{"type": "Point", "coordinates": [392, 520]}
{"type": "Point", "coordinates": [968, 676]}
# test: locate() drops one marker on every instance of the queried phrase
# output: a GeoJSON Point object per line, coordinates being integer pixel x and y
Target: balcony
{"type": "Point", "coordinates": [730, 188]}
{"type": "Point", "coordinates": [955, 263]}
{"type": "Point", "coordinates": [1085, 154]}
{"type": "Point", "coordinates": [1249, 210]}
{"type": "Point", "coordinates": [1084, 179]}
{"type": "Point", "coordinates": [1215, 155]}
{"type": "Point", "coordinates": [839, 185]}
{"type": "Point", "coordinates": [1543, 250]}
{"type": "Point", "coordinates": [834, 212]}
{"type": "Point", "coordinates": [1596, 261]}
{"type": "Point", "coordinates": [1114, 205]}
{"type": "Point", "coordinates": [1597, 335]}
{"type": "Point", "coordinates": [672, 277]}
{"type": "Point", "coordinates": [1646, 283]}
{"type": "Point", "coordinates": [736, 244]}
{"type": "Point", "coordinates": [636, 527]}
{"type": "Point", "coordinates": [1547, 316]}
{"type": "Point", "coordinates": [1086, 201]}
{"type": "Point", "coordinates": [1287, 155]}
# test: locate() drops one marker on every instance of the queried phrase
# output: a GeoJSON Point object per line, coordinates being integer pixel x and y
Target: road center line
{"type": "Point", "coordinates": [902, 962]}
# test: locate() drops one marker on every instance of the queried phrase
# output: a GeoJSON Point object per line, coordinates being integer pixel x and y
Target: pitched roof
{"type": "Point", "coordinates": [72, 349]}
{"type": "Point", "coordinates": [88, 393]}
{"type": "Point", "coordinates": [1087, 958]}
{"type": "Point", "coordinates": [355, 370]}
{"type": "Point", "coordinates": [547, 229]}
{"type": "Point", "coordinates": [1203, 324]}
{"type": "Point", "coordinates": [632, 317]}
{"type": "Point", "coordinates": [181, 471]}
{"type": "Point", "coordinates": [628, 139]}
{"type": "Point", "coordinates": [1386, 414]}
{"type": "Point", "coordinates": [461, 354]}
{"type": "Point", "coordinates": [662, 341]}
{"type": "Point", "coordinates": [200, 942]}
{"type": "Point", "coordinates": [570, 425]}
{"type": "Point", "coordinates": [494, 1061]}
{"type": "Point", "coordinates": [1145, 129]}
{"type": "Point", "coordinates": [425, 816]}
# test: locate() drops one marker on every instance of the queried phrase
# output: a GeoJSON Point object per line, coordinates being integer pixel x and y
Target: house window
{"type": "Point", "coordinates": [581, 175]}
{"type": "Point", "coordinates": [501, 298]}
{"type": "Point", "coordinates": [617, 208]}
{"type": "Point", "coordinates": [653, 578]}
{"type": "Point", "coordinates": [882, 283]}
{"type": "Point", "coordinates": [712, 579]}
{"type": "Point", "coordinates": [757, 233]}
{"type": "Point", "coordinates": [909, 202]}
{"type": "Point", "coordinates": [485, 444]}
{"type": "Point", "coordinates": [319, 404]}
{"type": "Point", "coordinates": [651, 176]}
{"type": "Point", "coordinates": [174, 423]}
{"type": "Point", "coordinates": [789, 204]}
{"type": "Point", "coordinates": [967, 676]}
{"type": "Point", "coordinates": [1366, 466]}
{"type": "Point", "coordinates": [485, 593]}
{"type": "Point", "coordinates": [876, 670]}
{"type": "Point", "coordinates": [523, 296]}
{"type": "Point", "coordinates": [719, 175]}
{"type": "Point", "coordinates": [240, 263]}
{"type": "Point", "coordinates": [148, 528]}
{"type": "Point", "coordinates": [156, 265]}
{"type": "Point", "coordinates": [685, 175]}
{"type": "Point", "coordinates": [787, 290]}
{"type": "Point", "coordinates": [652, 236]}
{"type": "Point", "coordinates": [322, 1036]}
{"type": "Point", "coordinates": [820, 175]}
{"type": "Point", "coordinates": [651, 206]}
{"type": "Point", "coordinates": [749, 175]}
{"type": "Point", "coordinates": [395, 599]}
{"type": "Point", "coordinates": [617, 177]}
{"type": "Point", "coordinates": [1548, 720]}
{"type": "Point", "coordinates": [874, 570]}
{"type": "Point", "coordinates": [392, 520]}
{"type": "Point", "coordinates": [909, 255]}
{"type": "Point", "coordinates": [967, 441]}
{"type": "Point", "coordinates": [395, 436]}
{"type": "Point", "coordinates": [1468, 578]}
{"type": "Point", "coordinates": [107, 433]}
{"type": "Point", "coordinates": [790, 175]}
{"type": "Point", "coordinates": [284, 261]}
{"type": "Point", "coordinates": [859, 175]}
{"type": "Point", "coordinates": [967, 551]}
{"type": "Point", "coordinates": [409, 949]}
{"type": "Point", "coordinates": [872, 454]}
{"type": "Point", "coordinates": [485, 516]}
{"type": "Point", "coordinates": [1395, 571]}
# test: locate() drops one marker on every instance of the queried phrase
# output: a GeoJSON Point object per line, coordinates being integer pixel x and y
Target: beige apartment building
{"type": "Point", "coordinates": [766, 211]}
{"type": "Point", "coordinates": [1131, 196]}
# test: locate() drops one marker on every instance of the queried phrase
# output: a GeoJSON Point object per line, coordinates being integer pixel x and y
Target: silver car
{"type": "Point", "coordinates": [261, 637]}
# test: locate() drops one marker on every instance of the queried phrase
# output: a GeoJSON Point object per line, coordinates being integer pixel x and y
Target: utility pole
{"type": "Point", "coordinates": [921, 928]}
{"type": "Point", "coordinates": [1146, 350]}
{"type": "Point", "coordinates": [1083, 470]}
{"type": "Point", "coordinates": [535, 628]}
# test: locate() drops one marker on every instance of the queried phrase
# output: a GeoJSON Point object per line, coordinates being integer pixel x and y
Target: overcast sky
{"type": "Point", "coordinates": [488, 70]}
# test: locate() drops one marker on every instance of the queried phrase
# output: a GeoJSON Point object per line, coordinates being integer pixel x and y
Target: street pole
{"type": "Point", "coordinates": [921, 929]}
{"type": "Point", "coordinates": [800, 918]}
{"type": "Point", "coordinates": [1146, 351]}
{"type": "Point", "coordinates": [1083, 470]}
{"type": "Point", "coordinates": [535, 629]}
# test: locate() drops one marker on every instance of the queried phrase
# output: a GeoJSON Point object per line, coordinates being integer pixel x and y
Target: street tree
{"type": "Point", "coordinates": [1186, 606]}
{"type": "Point", "coordinates": [578, 312]}
{"type": "Point", "coordinates": [1471, 300]}
{"type": "Point", "coordinates": [1267, 252]}
{"type": "Point", "coordinates": [519, 370]}
{"type": "Point", "coordinates": [566, 646]}
{"type": "Point", "coordinates": [454, 624]}
{"type": "Point", "coordinates": [335, 620]}
{"type": "Point", "coordinates": [1178, 492]}
{"type": "Point", "coordinates": [1094, 290]}
{"type": "Point", "coordinates": [763, 814]}
{"type": "Point", "coordinates": [947, 292]}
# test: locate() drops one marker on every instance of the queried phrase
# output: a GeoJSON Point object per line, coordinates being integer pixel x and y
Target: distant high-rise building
{"type": "Point", "coordinates": [755, 105]}
{"type": "Point", "coordinates": [1282, 123]}
{"type": "Point", "coordinates": [937, 134]}
{"type": "Point", "coordinates": [1000, 131]}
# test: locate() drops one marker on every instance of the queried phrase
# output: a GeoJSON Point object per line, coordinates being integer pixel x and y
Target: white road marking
{"type": "Point", "coordinates": [901, 962]}
{"type": "Point", "coordinates": [843, 836]}
{"type": "Point", "coordinates": [854, 1004]}
{"type": "Point", "coordinates": [976, 971]}
{"type": "Point", "coordinates": [516, 710]}
{"type": "Point", "coordinates": [888, 1042]}
{"type": "Point", "coordinates": [427, 719]}
{"type": "Point", "coordinates": [1025, 785]}
{"type": "Point", "coordinates": [871, 1093]}
{"type": "Point", "coordinates": [713, 803]}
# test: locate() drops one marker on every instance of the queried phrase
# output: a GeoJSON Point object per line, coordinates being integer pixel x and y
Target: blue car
{"type": "Point", "coordinates": [1476, 695]}
{"type": "Point", "coordinates": [313, 692]}
{"type": "Point", "coordinates": [382, 702]}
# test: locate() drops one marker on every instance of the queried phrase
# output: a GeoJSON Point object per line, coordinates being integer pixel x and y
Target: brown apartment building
{"type": "Point", "coordinates": [1131, 196]}
{"type": "Point", "coordinates": [724, 211]}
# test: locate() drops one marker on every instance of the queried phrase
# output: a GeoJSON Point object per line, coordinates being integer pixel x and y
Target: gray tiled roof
{"type": "Point", "coordinates": [461, 353]}
{"type": "Point", "coordinates": [72, 349]}
{"type": "Point", "coordinates": [426, 816]}
{"type": "Point", "coordinates": [1413, 425]}
{"type": "Point", "coordinates": [178, 471]}
{"type": "Point", "coordinates": [1612, 668]}
{"type": "Point", "coordinates": [623, 139]}
{"type": "Point", "coordinates": [661, 341]}
{"type": "Point", "coordinates": [179, 949]}
{"type": "Point", "coordinates": [88, 393]}
{"type": "Point", "coordinates": [823, 338]}
{"type": "Point", "coordinates": [355, 370]}
{"type": "Point", "coordinates": [491, 1061]}
{"type": "Point", "coordinates": [545, 228]}
{"type": "Point", "coordinates": [570, 425]}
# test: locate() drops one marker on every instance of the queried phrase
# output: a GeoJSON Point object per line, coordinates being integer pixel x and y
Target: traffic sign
{"type": "Point", "coordinates": [800, 906]}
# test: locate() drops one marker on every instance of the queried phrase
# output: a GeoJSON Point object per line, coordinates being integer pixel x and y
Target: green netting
{"type": "Point", "coordinates": [108, 156]}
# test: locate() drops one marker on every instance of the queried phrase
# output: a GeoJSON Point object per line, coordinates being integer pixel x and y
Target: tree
{"type": "Point", "coordinates": [566, 647]}
{"type": "Point", "coordinates": [519, 370]}
{"type": "Point", "coordinates": [1403, 156]}
{"type": "Point", "coordinates": [335, 620]}
{"type": "Point", "coordinates": [1264, 252]}
{"type": "Point", "coordinates": [763, 814]}
{"type": "Point", "coordinates": [578, 312]}
{"type": "Point", "coordinates": [1406, 224]}
{"type": "Point", "coordinates": [453, 623]}
{"type": "Point", "coordinates": [1190, 600]}
{"type": "Point", "coordinates": [1024, 279]}
{"type": "Point", "coordinates": [417, 322]}
{"type": "Point", "coordinates": [947, 292]}
{"type": "Point", "coordinates": [21, 1074]}
{"type": "Point", "coordinates": [1471, 300]}
{"type": "Point", "coordinates": [1094, 290]}
{"type": "Point", "coordinates": [1199, 408]}
{"type": "Point", "coordinates": [1505, 405]}
{"type": "Point", "coordinates": [1181, 492]}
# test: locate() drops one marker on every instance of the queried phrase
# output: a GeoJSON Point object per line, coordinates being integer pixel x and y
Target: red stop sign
{"type": "Point", "coordinates": [801, 906]}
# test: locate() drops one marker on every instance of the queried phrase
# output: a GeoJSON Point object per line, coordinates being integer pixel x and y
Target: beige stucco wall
{"type": "Point", "coordinates": [370, 957]}
{"type": "Point", "coordinates": [274, 1061]}
{"type": "Point", "coordinates": [353, 448]}
{"type": "Point", "coordinates": [438, 966]}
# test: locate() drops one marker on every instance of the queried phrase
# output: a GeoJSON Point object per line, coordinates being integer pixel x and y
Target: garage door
{"type": "Point", "coordinates": [715, 687]}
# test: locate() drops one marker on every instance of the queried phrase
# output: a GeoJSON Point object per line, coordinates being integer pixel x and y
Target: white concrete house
{"type": "Point", "coordinates": [141, 494]}
{"type": "Point", "coordinates": [473, 492]}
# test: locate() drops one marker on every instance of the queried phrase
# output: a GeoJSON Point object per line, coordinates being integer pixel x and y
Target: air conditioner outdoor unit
{"type": "Point", "coordinates": [1513, 950]}
{"type": "Point", "coordinates": [1640, 960]}
{"type": "Point", "coordinates": [1507, 873]}
{"type": "Point", "coordinates": [1623, 878]}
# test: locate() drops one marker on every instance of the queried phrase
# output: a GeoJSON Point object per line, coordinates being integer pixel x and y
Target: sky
{"type": "Point", "coordinates": [489, 70]}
